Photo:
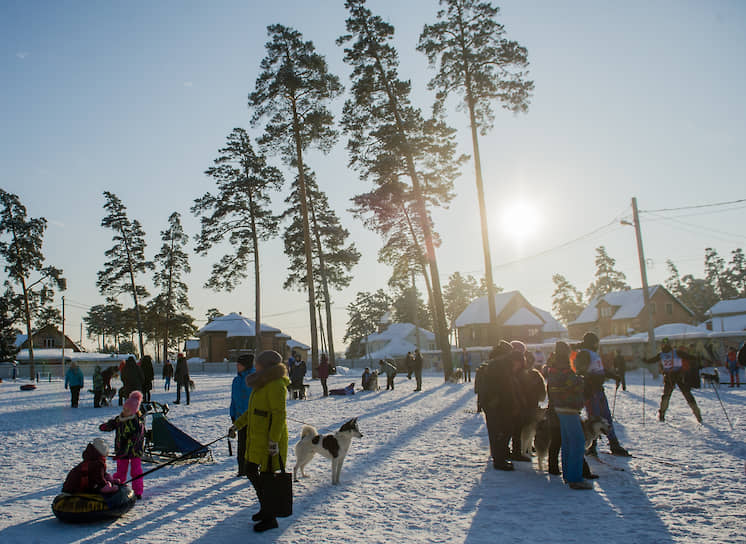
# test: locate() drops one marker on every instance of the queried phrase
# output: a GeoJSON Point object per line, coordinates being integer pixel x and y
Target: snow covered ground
{"type": "Point", "coordinates": [421, 473]}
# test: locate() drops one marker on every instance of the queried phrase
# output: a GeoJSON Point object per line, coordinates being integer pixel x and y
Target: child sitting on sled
{"type": "Point", "coordinates": [129, 441]}
{"type": "Point", "coordinates": [90, 476]}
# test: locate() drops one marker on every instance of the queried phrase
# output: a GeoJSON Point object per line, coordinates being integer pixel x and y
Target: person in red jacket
{"type": "Point", "coordinates": [90, 476]}
{"type": "Point", "coordinates": [324, 372]}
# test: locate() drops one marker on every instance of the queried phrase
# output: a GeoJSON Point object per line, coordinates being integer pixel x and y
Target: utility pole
{"type": "Point", "coordinates": [63, 336]}
{"type": "Point", "coordinates": [644, 274]}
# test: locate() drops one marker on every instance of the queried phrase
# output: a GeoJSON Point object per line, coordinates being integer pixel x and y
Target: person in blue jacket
{"type": "Point", "coordinates": [74, 380]}
{"type": "Point", "coordinates": [240, 393]}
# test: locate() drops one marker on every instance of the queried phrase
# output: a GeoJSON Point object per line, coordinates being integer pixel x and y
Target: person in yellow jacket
{"type": "Point", "coordinates": [267, 432]}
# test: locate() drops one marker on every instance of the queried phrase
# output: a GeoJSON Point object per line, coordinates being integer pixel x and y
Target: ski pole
{"type": "Point", "coordinates": [613, 406]}
{"type": "Point", "coordinates": [174, 460]}
{"type": "Point", "coordinates": [644, 368]}
{"type": "Point", "coordinates": [723, 407]}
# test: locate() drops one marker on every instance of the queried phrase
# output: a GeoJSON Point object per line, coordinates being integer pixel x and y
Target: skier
{"type": "Point", "coordinates": [671, 363]}
{"type": "Point", "coordinates": [588, 365]}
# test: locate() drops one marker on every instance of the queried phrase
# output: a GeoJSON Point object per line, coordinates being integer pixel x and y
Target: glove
{"type": "Point", "coordinates": [274, 448]}
{"type": "Point", "coordinates": [232, 431]}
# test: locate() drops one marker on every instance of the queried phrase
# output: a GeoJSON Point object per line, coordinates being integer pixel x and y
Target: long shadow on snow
{"type": "Point", "coordinates": [323, 496]}
{"type": "Point", "coordinates": [508, 504]}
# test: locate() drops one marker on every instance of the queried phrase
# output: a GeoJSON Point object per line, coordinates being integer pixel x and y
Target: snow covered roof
{"type": "Point", "coordinates": [283, 335]}
{"type": "Point", "coordinates": [629, 304]}
{"type": "Point", "coordinates": [398, 331]}
{"type": "Point", "coordinates": [523, 317]}
{"type": "Point", "coordinates": [478, 311]}
{"type": "Point", "coordinates": [729, 323]}
{"type": "Point", "coordinates": [233, 325]}
{"type": "Point", "coordinates": [397, 347]}
{"type": "Point", "coordinates": [551, 325]}
{"type": "Point", "coordinates": [54, 354]}
{"type": "Point", "coordinates": [294, 344]}
{"type": "Point", "coordinates": [735, 306]}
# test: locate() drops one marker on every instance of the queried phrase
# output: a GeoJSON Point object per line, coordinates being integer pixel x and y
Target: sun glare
{"type": "Point", "coordinates": [519, 220]}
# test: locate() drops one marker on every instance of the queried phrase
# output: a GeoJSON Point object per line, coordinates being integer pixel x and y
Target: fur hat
{"type": "Point", "coordinates": [269, 358]}
{"type": "Point", "coordinates": [132, 404]}
{"type": "Point", "coordinates": [100, 446]}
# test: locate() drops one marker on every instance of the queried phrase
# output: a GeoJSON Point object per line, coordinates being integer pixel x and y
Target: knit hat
{"type": "Point", "coordinates": [132, 404]}
{"type": "Point", "coordinates": [590, 339]}
{"type": "Point", "coordinates": [519, 346]}
{"type": "Point", "coordinates": [100, 446]}
{"type": "Point", "coordinates": [246, 360]}
{"type": "Point", "coordinates": [269, 358]}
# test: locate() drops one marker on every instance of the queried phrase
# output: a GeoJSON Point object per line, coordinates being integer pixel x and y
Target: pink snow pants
{"type": "Point", "coordinates": [136, 470]}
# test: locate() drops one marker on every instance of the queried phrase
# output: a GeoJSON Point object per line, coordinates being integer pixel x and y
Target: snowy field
{"type": "Point", "coordinates": [421, 473]}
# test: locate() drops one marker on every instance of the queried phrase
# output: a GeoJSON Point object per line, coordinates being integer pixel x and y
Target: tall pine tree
{"type": "Point", "coordinates": [9, 316]}
{"type": "Point", "coordinates": [608, 278]}
{"type": "Point", "coordinates": [389, 138]}
{"type": "Point", "coordinates": [239, 211]}
{"type": "Point", "coordinates": [21, 240]}
{"type": "Point", "coordinates": [334, 257]}
{"type": "Point", "coordinates": [126, 259]}
{"type": "Point", "coordinates": [477, 61]}
{"type": "Point", "coordinates": [292, 93]}
{"type": "Point", "coordinates": [173, 263]}
{"type": "Point", "coordinates": [364, 313]}
{"type": "Point", "coordinates": [567, 301]}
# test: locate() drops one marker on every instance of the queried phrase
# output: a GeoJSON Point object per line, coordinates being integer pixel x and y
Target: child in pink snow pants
{"type": "Point", "coordinates": [129, 441]}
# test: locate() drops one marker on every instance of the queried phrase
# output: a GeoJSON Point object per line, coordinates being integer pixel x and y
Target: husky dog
{"type": "Point", "coordinates": [710, 376]}
{"type": "Point", "coordinates": [332, 446]}
{"type": "Point", "coordinates": [528, 431]}
{"type": "Point", "coordinates": [593, 428]}
{"type": "Point", "coordinates": [456, 376]}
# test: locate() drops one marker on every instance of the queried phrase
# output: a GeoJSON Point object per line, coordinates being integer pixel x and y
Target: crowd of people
{"type": "Point", "coordinates": [509, 390]}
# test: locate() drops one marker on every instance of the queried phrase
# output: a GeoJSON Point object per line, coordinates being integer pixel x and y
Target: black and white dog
{"type": "Point", "coordinates": [332, 446]}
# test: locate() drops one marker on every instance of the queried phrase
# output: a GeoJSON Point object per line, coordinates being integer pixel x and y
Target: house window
{"type": "Point", "coordinates": [533, 331]}
{"type": "Point", "coordinates": [652, 308]}
{"type": "Point", "coordinates": [669, 309]}
{"type": "Point", "coordinates": [606, 312]}
{"type": "Point", "coordinates": [48, 342]}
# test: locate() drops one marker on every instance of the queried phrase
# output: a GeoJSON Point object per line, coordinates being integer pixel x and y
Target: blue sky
{"type": "Point", "coordinates": [638, 99]}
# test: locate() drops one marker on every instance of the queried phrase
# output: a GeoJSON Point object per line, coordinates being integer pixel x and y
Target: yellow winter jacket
{"type": "Point", "coordinates": [267, 402]}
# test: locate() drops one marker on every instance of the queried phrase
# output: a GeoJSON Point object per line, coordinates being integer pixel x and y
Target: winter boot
{"type": "Point", "coordinates": [582, 484]}
{"type": "Point", "coordinates": [503, 465]}
{"type": "Point", "coordinates": [266, 525]}
{"type": "Point", "coordinates": [617, 449]}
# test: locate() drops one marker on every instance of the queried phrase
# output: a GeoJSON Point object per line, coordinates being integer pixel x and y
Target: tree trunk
{"type": "Point", "coordinates": [325, 287]}
{"type": "Point", "coordinates": [306, 239]}
{"type": "Point", "coordinates": [134, 293]}
{"type": "Point", "coordinates": [257, 284]}
{"type": "Point", "coordinates": [29, 339]}
{"type": "Point", "coordinates": [439, 317]}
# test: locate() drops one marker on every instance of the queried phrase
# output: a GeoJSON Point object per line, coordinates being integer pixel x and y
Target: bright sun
{"type": "Point", "coordinates": [519, 220]}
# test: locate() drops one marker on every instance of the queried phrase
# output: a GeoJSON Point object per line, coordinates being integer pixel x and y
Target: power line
{"type": "Point", "coordinates": [712, 205]}
{"type": "Point", "coordinates": [691, 227]}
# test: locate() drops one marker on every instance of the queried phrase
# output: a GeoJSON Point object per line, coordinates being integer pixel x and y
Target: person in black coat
{"type": "Point", "coordinates": [132, 378]}
{"type": "Point", "coordinates": [417, 369]}
{"type": "Point", "coordinates": [620, 367]}
{"type": "Point", "coordinates": [146, 364]}
{"type": "Point", "coordinates": [181, 375]}
{"type": "Point", "coordinates": [496, 397]}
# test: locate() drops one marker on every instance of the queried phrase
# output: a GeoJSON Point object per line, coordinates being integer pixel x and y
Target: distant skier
{"type": "Point", "coordinates": [671, 363]}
